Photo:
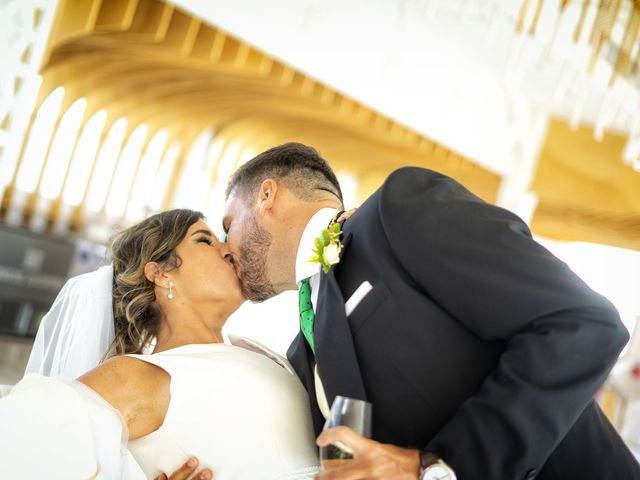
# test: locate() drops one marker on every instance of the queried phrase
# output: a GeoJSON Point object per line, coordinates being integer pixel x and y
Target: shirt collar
{"type": "Point", "coordinates": [320, 220]}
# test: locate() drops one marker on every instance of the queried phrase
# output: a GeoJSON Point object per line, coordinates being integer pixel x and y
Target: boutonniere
{"type": "Point", "coordinates": [327, 247]}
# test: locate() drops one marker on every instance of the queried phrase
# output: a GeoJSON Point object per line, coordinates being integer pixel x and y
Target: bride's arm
{"type": "Point", "coordinates": [55, 425]}
{"type": "Point", "coordinates": [140, 392]}
{"type": "Point", "coordinates": [137, 389]}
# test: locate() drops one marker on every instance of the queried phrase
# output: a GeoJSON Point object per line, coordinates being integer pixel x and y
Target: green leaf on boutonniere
{"type": "Point", "coordinates": [326, 237]}
{"type": "Point", "coordinates": [327, 247]}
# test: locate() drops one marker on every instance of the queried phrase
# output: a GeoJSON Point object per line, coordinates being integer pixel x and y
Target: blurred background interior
{"type": "Point", "coordinates": [114, 109]}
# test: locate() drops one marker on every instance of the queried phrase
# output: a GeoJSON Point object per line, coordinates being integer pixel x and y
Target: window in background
{"type": "Point", "coordinates": [227, 164]}
{"type": "Point", "coordinates": [143, 186]}
{"type": "Point", "coordinates": [83, 159]}
{"type": "Point", "coordinates": [10, 155]}
{"type": "Point", "coordinates": [191, 182]}
{"type": "Point", "coordinates": [61, 150]}
{"type": "Point", "coordinates": [215, 202]}
{"type": "Point", "coordinates": [105, 165]}
{"type": "Point", "coordinates": [202, 185]}
{"type": "Point", "coordinates": [163, 177]}
{"type": "Point", "coordinates": [38, 142]}
{"type": "Point", "coordinates": [125, 172]}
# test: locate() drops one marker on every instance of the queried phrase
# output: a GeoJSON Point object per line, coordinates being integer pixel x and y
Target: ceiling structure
{"type": "Point", "coordinates": [374, 85]}
{"type": "Point", "coordinates": [447, 68]}
{"type": "Point", "coordinates": [158, 66]}
{"type": "Point", "coordinates": [583, 192]}
{"type": "Point", "coordinates": [498, 80]}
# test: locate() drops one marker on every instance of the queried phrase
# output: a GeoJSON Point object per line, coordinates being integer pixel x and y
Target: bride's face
{"type": "Point", "coordinates": [205, 272]}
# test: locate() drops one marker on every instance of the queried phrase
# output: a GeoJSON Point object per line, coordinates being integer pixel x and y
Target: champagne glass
{"type": "Point", "coordinates": [348, 412]}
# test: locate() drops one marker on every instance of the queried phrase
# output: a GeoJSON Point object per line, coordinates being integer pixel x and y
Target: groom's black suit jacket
{"type": "Point", "coordinates": [475, 342]}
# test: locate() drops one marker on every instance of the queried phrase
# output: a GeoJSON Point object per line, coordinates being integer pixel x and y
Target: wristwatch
{"type": "Point", "coordinates": [432, 467]}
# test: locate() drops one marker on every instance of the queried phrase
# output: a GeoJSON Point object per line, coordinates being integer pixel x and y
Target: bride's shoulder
{"type": "Point", "coordinates": [126, 371]}
{"type": "Point", "coordinates": [137, 389]}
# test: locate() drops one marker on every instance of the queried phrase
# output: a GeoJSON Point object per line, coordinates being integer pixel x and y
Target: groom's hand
{"type": "Point", "coordinates": [186, 470]}
{"type": "Point", "coordinates": [371, 459]}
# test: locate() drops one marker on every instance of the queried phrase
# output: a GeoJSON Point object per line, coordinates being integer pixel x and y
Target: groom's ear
{"type": "Point", "coordinates": [267, 195]}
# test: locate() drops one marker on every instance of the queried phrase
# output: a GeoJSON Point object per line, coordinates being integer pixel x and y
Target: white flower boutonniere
{"type": "Point", "coordinates": [327, 247]}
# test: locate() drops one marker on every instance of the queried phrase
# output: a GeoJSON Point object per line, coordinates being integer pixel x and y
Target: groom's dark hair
{"type": "Point", "coordinates": [299, 167]}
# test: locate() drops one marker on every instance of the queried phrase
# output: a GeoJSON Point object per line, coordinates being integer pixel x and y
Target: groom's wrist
{"type": "Point", "coordinates": [432, 467]}
{"type": "Point", "coordinates": [410, 460]}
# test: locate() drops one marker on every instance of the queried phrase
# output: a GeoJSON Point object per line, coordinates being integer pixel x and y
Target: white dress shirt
{"type": "Point", "coordinates": [307, 269]}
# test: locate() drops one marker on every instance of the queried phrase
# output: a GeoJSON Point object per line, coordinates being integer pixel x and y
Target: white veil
{"type": "Point", "coordinates": [72, 339]}
{"type": "Point", "coordinates": [76, 332]}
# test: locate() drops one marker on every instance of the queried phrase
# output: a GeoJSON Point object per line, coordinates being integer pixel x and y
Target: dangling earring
{"type": "Point", "coordinates": [170, 295]}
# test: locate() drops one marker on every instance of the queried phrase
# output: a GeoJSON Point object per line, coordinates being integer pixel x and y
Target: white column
{"type": "Point", "coordinates": [25, 26]}
{"type": "Point", "coordinates": [529, 130]}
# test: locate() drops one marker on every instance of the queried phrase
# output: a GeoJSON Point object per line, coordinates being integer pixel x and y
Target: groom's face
{"type": "Point", "coordinates": [249, 244]}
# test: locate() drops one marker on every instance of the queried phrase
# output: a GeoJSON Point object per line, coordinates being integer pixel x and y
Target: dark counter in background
{"type": "Point", "coordinates": [33, 269]}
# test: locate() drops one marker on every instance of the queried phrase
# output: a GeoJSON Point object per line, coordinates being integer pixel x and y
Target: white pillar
{"type": "Point", "coordinates": [529, 130]}
{"type": "Point", "coordinates": [25, 26]}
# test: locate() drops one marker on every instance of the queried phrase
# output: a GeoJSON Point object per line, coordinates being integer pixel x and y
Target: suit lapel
{"type": "Point", "coordinates": [335, 353]}
{"type": "Point", "coordinates": [301, 359]}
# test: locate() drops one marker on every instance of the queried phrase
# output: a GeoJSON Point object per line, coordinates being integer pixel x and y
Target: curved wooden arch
{"type": "Point", "coordinates": [154, 64]}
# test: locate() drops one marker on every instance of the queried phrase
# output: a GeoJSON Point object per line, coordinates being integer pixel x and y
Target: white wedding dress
{"type": "Point", "coordinates": [241, 413]}
{"type": "Point", "coordinates": [239, 408]}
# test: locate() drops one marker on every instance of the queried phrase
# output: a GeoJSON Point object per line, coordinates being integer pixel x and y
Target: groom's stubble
{"type": "Point", "coordinates": [253, 253]}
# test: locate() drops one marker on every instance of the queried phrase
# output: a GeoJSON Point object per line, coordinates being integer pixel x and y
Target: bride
{"type": "Point", "coordinates": [237, 407]}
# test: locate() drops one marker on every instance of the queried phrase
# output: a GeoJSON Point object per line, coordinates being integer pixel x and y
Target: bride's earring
{"type": "Point", "coordinates": [170, 295]}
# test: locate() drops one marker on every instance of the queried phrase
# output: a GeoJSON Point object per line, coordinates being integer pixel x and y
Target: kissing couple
{"type": "Point", "coordinates": [479, 350]}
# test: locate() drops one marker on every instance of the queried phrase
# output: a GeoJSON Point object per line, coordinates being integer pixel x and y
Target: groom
{"type": "Point", "coordinates": [479, 350]}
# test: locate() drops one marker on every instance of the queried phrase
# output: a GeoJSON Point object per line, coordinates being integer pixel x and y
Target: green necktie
{"type": "Point", "coordinates": [306, 312]}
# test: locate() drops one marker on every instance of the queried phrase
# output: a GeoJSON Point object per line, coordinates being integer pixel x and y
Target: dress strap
{"type": "Point", "coordinates": [157, 360]}
{"type": "Point", "coordinates": [257, 347]}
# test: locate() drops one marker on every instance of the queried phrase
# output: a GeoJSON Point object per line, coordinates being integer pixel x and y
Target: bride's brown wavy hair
{"type": "Point", "coordinates": [137, 317]}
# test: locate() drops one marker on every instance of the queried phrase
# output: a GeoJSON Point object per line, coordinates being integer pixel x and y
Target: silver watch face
{"type": "Point", "coordinates": [438, 471]}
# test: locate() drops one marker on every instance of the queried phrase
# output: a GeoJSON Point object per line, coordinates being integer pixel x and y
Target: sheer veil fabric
{"type": "Point", "coordinates": [90, 435]}
{"type": "Point", "coordinates": [78, 329]}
